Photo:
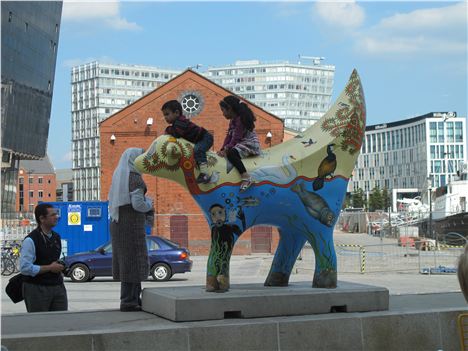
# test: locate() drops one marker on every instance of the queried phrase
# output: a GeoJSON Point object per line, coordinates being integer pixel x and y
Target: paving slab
{"type": "Point", "coordinates": [257, 301]}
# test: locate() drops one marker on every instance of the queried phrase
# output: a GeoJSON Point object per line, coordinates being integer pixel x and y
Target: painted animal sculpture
{"type": "Point", "coordinates": [283, 195]}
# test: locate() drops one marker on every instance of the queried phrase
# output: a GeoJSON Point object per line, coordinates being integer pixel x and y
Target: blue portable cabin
{"type": "Point", "coordinates": [82, 225]}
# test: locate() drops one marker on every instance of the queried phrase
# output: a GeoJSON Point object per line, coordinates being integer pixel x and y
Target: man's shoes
{"type": "Point", "coordinates": [203, 178]}
{"type": "Point", "coordinates": [130, 308]}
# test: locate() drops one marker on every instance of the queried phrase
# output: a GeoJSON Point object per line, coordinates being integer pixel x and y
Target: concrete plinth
{"type": "Point", "coordinates": [255, 301]}
{"type": "Point", "coordinates": [413, 322]}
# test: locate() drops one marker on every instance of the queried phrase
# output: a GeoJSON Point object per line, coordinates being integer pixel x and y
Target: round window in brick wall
{"type": "Point", "coordinates": [192, 103]}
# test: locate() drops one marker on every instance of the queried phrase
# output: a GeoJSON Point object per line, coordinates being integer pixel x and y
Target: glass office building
{"type": "Point", "coordinates": [410, 155]}
{"type": "Point", "coordinates": [30, 34]}
{"type": "Point", "coordinates": [298, 93]}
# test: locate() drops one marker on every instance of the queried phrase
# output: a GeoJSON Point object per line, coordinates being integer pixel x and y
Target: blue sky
{"type": "Point", "coordinates": [411, 56]}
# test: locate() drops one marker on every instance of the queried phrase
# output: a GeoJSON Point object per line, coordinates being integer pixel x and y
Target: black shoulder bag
{"type": "Point", "coordinates": [14, 288]}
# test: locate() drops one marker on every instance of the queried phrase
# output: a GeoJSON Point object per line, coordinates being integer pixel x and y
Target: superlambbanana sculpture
{"type": "Point", "coordinates": [299, 188]}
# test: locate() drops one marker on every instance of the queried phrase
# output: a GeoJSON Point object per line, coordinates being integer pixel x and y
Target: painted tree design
{"type": "Point", "coordinates": [349, 120]}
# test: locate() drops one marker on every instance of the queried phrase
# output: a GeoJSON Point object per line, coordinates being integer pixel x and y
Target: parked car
{"type": "Point", "coordinates": [166, 258]}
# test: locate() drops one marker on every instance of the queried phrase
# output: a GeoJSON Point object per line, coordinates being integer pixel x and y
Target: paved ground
{"type": "Point", "coordinates": [99, 321]}
{"type": "Point", "coordinates": [103, 293]}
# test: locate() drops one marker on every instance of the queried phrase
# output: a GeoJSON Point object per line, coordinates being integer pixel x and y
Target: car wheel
{"type": "Point", "coordinates": [79, 273]}
{"type": "Point", "coordinates": [161, 272]}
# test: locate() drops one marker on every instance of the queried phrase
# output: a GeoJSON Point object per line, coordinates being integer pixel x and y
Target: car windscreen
{"type": "Point", "coordinates": [169, 242]}
{"type": "Point", "coordinates": [107, 247]}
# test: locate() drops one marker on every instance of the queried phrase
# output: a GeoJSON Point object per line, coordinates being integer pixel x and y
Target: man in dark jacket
{"type": "Point", "coordinates": [43, 287]}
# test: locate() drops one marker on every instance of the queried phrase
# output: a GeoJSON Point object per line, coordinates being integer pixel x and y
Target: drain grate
{"type": "Point", "coordinates": [232, 314]}
{"type": "Point", "coordinates": [339, 309]}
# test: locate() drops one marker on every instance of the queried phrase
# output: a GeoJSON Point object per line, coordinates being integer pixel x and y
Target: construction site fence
{"type": "Point", "coordinates": [419, 256]}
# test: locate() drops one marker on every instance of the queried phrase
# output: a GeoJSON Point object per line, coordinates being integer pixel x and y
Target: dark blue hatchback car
{"type": "Point", "coordinates": [166, 259]}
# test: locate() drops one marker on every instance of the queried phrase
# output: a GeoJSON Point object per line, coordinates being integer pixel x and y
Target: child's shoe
{"type": "Point", "coordinates": [245, 184]}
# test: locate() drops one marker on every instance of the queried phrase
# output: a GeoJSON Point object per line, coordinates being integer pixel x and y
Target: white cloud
{"type": "Point", "coordinates": [121, 24]}
{"type": "Point", "coordinates": [107, 12]}
{"type": "Point", "coordinates": [67, 157]}
{"type": "Point", "coordinates": [427, 19]}
{"type": "Point", "coordinates": [346, 14]}
{"type": "Point", "coordinates": [83, 10]}
{"type": "Point", "coordinates": [409, 45]}
{"type": "Point", "coordinates": [440, 31]}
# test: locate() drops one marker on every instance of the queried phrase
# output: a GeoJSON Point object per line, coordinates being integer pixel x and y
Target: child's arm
{"type": "Point", "coordinates": [236, 135]}
{"type": "Point", "coordinates": [170, 130]}
{"type": "Point", "coordinates": [227, 139]}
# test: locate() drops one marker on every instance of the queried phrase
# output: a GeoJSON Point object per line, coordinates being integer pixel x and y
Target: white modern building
{"type": "Point", "coordinates": [98, 91]}
{"type": "Point", "coordinates": [299, 93]}
{"type": "Point", "coordinates": [412, 155]}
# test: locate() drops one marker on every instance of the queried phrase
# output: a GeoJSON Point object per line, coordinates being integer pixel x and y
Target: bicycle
{"type": "Point", "coordinates": [7, 262]}
{"type": "Point", "coordinates": [10, 259]}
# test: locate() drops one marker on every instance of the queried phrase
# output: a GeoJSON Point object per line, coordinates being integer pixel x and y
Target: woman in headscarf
{"type": "Point", "coordinates": [128, 206]}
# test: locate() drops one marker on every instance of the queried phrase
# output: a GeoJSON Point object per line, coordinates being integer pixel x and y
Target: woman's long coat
{"type": "Point", "coordinates": [129, 251]}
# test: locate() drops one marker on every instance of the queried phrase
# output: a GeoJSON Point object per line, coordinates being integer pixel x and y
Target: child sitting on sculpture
{"type": "Point", "coordinates": [241, 140]}
{"type": "Point", "coordinates": [182, 127]}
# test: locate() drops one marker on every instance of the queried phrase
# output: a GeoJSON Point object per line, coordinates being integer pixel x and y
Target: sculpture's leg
{"type": "Point", "coordinates": [217, 279]}
{"type": "Point", "coordinates": [325, 275]}
{"type": "Point", "coordinates": [289, 246]}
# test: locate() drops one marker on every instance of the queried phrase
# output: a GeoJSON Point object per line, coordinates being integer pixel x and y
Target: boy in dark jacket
{"type": "Point", "coordinates": [181, 127]}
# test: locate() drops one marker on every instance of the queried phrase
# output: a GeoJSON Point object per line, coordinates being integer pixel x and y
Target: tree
{"type": "Point", "coordinates": [358, 199]}
{"type": "Point", "coordinates": [375, 200]}
{"type": "Point", "coordinates": [387, 203]}
{"type": "Point", "coordinates": [347, 201]}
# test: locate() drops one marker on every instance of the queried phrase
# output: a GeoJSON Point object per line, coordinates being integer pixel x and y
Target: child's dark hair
{"type": "Point", "coordinates": [240, 108]}
{"type": "Point", "coordinates": [173, 106]}
{"type": "Point", "coordinates": [215, 205]}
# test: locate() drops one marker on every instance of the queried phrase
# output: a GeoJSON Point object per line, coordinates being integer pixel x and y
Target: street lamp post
{"type": "Point", "coordinates": [269, 135]}
{"type": "Point", "coordinates": [29, 197]}
{"type": "Point", "coordinates": [429, 196]}
{"type": "Point", "coordinates": [430, 212]}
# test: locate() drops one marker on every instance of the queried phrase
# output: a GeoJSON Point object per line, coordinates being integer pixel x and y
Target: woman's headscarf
{"type": "Point", "coordinates": [119, 193]}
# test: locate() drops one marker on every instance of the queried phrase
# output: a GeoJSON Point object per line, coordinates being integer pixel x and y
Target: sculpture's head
{"type": "Point", "coordinates": [217, 215]}
{"type": "Point", "coordinates": [167, 157]}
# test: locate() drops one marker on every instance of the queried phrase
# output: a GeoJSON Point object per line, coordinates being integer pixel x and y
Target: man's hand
{"type": "Point", "coordinates": [221, 153]}
{"type": "Point", "coordinates": [56, 267]}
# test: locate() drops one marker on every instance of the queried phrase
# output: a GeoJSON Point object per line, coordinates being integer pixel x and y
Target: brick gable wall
{"type": "Point", "coordinates": [130, 129]}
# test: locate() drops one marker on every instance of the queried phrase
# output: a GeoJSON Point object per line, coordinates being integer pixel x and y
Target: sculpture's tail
{"type": "Point", "coordinates": [343, 126]}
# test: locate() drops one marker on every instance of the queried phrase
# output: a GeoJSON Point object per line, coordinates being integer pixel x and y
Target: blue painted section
{"type": "Point", "coordinates": [291, 208]}
{"type": "Point", "coordinates": [92, 230]}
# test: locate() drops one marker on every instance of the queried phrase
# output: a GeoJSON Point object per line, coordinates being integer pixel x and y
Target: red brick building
{"type": "Point", "coordinates": [36, 182]}
{"type": "Point", "coordinates": [178, 216]}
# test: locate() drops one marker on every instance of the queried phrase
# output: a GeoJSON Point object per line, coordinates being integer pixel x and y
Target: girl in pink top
{"type": "Point", "coordinates": [241, 140]}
